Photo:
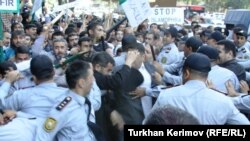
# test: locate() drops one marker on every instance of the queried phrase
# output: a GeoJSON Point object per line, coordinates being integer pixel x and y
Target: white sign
{"type": "Point", "coordinates": [67, 6]}
{"type": "Point", "coordinates": [136, 11]}
{"type": "Point", "coordinates": [9, 5]}
{"type": "Point", "coordinates": [169, 15]}
{"type": "Point", "coordinates": [37, 5]}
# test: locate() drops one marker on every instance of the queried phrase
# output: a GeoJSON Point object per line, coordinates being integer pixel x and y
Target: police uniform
{"type": "Point", "coordinates": [219, 83]}
{"type": "Point", "coordinates": [207, 105]}
{"type": "Point", "coordinates": [242, 54]}
{"type": "Point", "coordinates": [169, 54]}
{"type": "Point", "coordinates": [19, 129]}
{"type": "Point", "coordinates": [36, 101]}
{"type": "Point", "coordinates": [95, 96]}
{"type": "Point", "coordinates": [242, 102]}
{"type": "Point", "coordinates": [67, 120]}
{"type": "Point", "coordinates": [224, 75]}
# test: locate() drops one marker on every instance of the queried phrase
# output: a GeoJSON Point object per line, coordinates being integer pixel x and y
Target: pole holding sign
{"type": "Point", "coordinates": [9, 6]}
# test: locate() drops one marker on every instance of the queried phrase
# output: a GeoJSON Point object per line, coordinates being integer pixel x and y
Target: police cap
{"type": "Point", "coordinates": [217, 36]}
{"type": "Point", "coordinates": [41, 66]}
{"type": "Point", "coordinates": [210, 52]}
{"type": "Point", "coordinates": [198, 62]}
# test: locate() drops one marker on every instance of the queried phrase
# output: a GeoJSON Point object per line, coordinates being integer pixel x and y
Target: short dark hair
{"type": "Point", "coordinates": [194, 43]}
{"type": "Point", "coordinates": [69, 30]}
{"type": "Point", "coordinates": [41, 67]}
{"type": "Point", "coordinates": [57, 33]}
{"type": "Point", "coordinates": [169, 115]}
{"type": "Point", "coordinates": [76, 70]}
{"type": "Point", "coordinates": [228, 46]}
{"type": "Point", "coordinates": [92, 25]}
{"type": "Point", "coordinates": [13, 25]}
{"type": "Point", "coordinates": [140, 48]}
{"type": "Point", "coordinates": [5, 66]}
{"type": "Point", "coordinates": [28, 26]}
{"type": "Point", "coordinates": [17, 33]}
{"type": "Point", "coordinates": [83, 39]}
{"type": "Point", "coordinates": [23, 50]}
{"type": "Point", "coordinates": [103, 58]}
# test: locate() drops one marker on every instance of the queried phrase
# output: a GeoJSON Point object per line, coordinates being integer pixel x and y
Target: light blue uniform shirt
{"type": "Point", "coordinates": [35, 101]}
{"type": "Point", "coordinates": [168, 55]}
{"type": "Point", "coordinates": [31, 102]}
{"type": "Point", "coordinates": [95, 96]}
{"type": "Point", "coordinates": [19, 129]}
{"type": "Point", "coordinates": [219, 77]}
{"type": "Point", "coordinates": [71, 121]}
{"type": "Point", "coordinates": [208, 106]}
{"type": "Point", "coordinates": [242, 103]}
{"type": "Point", "coordinates": [243, 53]}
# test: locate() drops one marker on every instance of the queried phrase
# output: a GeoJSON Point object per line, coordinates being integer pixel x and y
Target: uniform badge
{"type": "Point", "coordinates": [246, 57]}
{"type": "Point", "coordinates": [163, 60]}
{"type": "Point", "coordinates": [50, 124]}
{"type": "Point", "coordinates": [64, 103]}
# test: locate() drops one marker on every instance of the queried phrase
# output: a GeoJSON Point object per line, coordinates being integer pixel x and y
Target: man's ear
{"type": "Point", "coordinates": [186, 74]}
{"type": "Point", "coordinates": [97, 67]}
{"type": "Point", "coordinates": [80, 83]}
{"type": "Point", "coordinates": [231, 53]}
{"type": "Point", "coordinates": [34, 78]}
{"type": "Point", "coordinates": [91, 31]}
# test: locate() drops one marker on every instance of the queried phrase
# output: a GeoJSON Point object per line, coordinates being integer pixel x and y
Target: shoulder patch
{"type": "Point", "coordinates": [164, 60]}
{"type": "Point", "coordinates": [49, 124]}
{"type": "Point", "coordinates": [64, 103]}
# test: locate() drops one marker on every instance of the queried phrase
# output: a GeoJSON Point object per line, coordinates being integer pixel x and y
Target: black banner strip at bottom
{"type": "Point", "coordinates": [201, 132]}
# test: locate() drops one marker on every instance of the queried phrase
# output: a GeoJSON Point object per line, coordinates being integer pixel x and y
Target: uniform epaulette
{"type": "Point", "coordinates": [64, 103]}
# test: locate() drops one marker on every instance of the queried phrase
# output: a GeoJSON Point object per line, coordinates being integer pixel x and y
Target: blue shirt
{"type": "Point", "coordinates": [224, 74]}
{"type": "Point", "coordinates": [208, 106]}
{"type": "Point", "coordinates": [35, 101]}
{"type": "Point", "coordinates": [242, 102]}
{"type": "Point", "coordinates": [71, 121]}
{"type": "Point", "coordinates": [9, 53]}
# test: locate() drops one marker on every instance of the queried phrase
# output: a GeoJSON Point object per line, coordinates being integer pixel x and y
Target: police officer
{"type": "Point", "coordinates": [68, 119]}
{"type": "Point", "coordinates": [33, 102]}
{"type": "Point", "coordinates": [207, 105]}
{"type": "Point", "coordinates": [243, 46]}
{"type": "Point", "coordinates": [37, 100]}
{"type": "Point", "coordinates": [169, 53]}
{"type": "Point", "coordinates": [225, 74]}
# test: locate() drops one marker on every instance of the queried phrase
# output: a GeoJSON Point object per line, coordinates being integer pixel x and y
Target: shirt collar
{"type": "Point", "coordinates": [47, 84]}
{"type": "Point", "coordinates": [195, 84]}
{"type": "Point", "coordinates": [79, 99]}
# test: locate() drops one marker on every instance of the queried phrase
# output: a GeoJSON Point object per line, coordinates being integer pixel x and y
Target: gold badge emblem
{"type": "Point", "coordinates": [164, 60]}
{"type": "Point", "coordinates": [49, 124]}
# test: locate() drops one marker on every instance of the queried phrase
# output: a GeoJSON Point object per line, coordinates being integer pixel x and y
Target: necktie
{"type": "Point", "coordinates": [97, 131]}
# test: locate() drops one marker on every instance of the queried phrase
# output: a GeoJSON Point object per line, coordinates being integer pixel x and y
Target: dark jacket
{"type": "Point", "coordinates": [236, 68]}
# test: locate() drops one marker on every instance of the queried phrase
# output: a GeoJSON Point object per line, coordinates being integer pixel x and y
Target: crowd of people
{"type": "Point", "coordinates": [74, 81]}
